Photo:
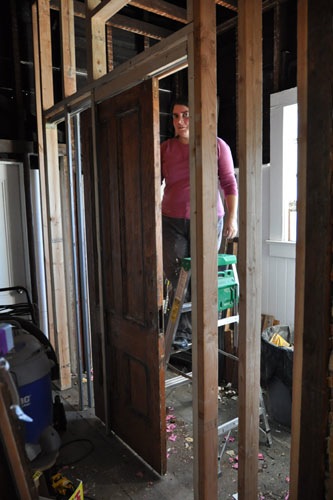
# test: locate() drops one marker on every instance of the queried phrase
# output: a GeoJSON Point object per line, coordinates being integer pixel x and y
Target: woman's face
{"type": "Point", "coordinates": [181, 121]}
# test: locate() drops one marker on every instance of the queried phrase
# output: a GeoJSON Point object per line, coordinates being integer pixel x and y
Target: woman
{"type": "Point", "coordinates": [176, 202]}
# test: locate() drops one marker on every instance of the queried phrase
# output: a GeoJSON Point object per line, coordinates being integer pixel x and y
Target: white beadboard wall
{"type": "Point", "coordinates": [278, 272]}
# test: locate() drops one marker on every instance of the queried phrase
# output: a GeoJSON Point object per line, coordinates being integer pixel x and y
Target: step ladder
{"type": "Point", "coordinates": [228, 297]}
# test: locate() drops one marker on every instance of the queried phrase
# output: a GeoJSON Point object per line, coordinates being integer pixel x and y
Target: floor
{"type": "Point", "coordinates": [110, 471]}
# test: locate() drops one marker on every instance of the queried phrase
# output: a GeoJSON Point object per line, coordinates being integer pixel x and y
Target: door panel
{"type": "Point", "coordinates": [129, 181]}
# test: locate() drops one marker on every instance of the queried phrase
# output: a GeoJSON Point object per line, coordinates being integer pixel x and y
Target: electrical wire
{"type": "Point", "coordinates": [74, 441]}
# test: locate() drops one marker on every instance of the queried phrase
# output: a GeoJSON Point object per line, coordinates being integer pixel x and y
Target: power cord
{"type": "Point", "coordinates": [92, 447]}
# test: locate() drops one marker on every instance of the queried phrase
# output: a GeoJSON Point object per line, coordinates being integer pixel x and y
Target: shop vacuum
{"type": "Point", "coordinates": [32, 366]}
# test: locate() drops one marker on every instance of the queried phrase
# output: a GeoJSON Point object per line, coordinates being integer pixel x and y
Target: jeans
{"type": "Point", "coordinates": [176, 245]}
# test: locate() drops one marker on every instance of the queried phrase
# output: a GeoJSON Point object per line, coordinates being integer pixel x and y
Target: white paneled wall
{"type": "Point", "coordinates": [278, 266]}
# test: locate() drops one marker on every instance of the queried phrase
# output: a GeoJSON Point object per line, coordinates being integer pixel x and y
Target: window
{"type": "Point", "coordinates": [283, 173]}
{"type": "Point", "coordinates": [289, 172]}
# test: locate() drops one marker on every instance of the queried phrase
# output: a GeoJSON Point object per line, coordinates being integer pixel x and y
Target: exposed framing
{"type": "Point", "coordinates": [163, 57]}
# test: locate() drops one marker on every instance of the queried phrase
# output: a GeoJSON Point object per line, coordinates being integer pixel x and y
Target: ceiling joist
{"type": "Point", "coordinates": [162, 8]}
{"type": "Point", "coordinates": [158, 7]}
{"type": "Point", "coordinates": [231, 5]}
{"type": "Point", "coordinates": [139, 27]}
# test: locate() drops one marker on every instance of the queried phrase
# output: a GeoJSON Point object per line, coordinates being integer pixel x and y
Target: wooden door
{"type": "Point", "coordinates": [132, 277]}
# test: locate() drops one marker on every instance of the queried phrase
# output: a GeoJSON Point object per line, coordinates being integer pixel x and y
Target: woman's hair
{"type": "Point", "coordinates": [182, 100]}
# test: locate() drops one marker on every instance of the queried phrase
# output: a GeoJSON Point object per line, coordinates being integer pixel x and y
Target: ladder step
{"type": "Point", "coordinates": [228, 320]}
{"type": "Point", "coordinates": [178, 381]}
{"type": "Point", "coordinates": [227, 426]}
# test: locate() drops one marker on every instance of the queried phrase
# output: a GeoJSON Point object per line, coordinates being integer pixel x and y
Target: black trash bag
{"type": "Point", "coordinates": [276, 373]}
{"type": "Point", "coordinates": [276, 361]}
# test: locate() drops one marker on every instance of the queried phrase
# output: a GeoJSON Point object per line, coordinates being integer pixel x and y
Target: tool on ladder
{"type": "Point", "coordinates": [228, 297]}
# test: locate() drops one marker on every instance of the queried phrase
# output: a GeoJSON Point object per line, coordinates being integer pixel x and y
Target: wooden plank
{"type": "Point", "coordinates": [159, 7]}
{"type": "Point", "coordinates": [302, 71]}
{"type": "Point", "coordinates": [138, 27]}
{"type": "Point", "coordinates": [169, 53]}
{"type": "Point", "coordinates": [250, 236]}
{"type": "Point", "coordinates": [96, 42]}
{"type": "Point", "coordinates": [109, 48]}
{"type": "Point", "coordinates": [311, 430]}
{"type": "Point", "coordinates": [19, 479]}
{"type": "Point", "coordinates": [64, 180]}
{"type": "Point", "coordinates": [162, 8]}
{"type": "Point", "coordinates": [203, 181]}
{"type": "Point", "coordinates": [68, 47]}
{"type": "Point", "coordinates": [57, 256]}
{"type": "Point", "coordinates": [45, 53]}
{"type": "Point", "coordinates": [48, 157]}
{"type": "Point", "coordinates": [98, 48]}
{"type": "Point", "coordinates": [231, 5]}
{"type": "Point", "coordinates": [40, 135]}
{"type": "Point", "coordinates": [16, 147]}
{"type": "Point", "coordinates": [267, 320]}
{"type": "Point", "coordinates": [106, 9]}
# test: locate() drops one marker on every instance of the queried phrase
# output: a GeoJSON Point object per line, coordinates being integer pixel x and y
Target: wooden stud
{"type": "Point", "coordinates": [40, 135]}
{"type": "Point", "coordinates": [51, 197]}
{"type": "Point", "coordinates": [310, 466]}
{"type": "Point", "coordinates": [96, 43]}
{"type": "Point", "coordinates": [45, 53]}
{"type": "Point", "coordinates": [203, 178]}
{"type": "Point", "coordinates": [250, 241]}
{"type": "Point", "coordinates": [68, 47]}
{"type": "Point", "coordinates": [57, 252]}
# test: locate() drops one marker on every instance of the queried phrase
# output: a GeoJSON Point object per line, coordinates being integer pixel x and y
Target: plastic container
{"type": "Point", "coordinates": [31, 371]}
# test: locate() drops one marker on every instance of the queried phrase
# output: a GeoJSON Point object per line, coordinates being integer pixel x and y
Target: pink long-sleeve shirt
{"type": "Point", "coordinates": [176, 172]}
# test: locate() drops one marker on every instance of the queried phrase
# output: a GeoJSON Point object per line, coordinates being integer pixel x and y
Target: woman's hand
{"type": "Point", "coordinates": [230, 226]}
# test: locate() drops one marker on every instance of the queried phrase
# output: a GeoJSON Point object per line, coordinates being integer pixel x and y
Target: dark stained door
{"type": "Point", "coordinates": [129, 187]}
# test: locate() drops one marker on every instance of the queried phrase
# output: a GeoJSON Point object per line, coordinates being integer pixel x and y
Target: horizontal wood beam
{"type": "Point", "coordinates": [159, 7]}
{"type": "Point", "coordinates": [168, 53]}
{"type": "Point", "coordinates": [142, 69]}
{"type": "Point", "coordinates": [231, 5]}
{"type": "Point", "coordinates": [170, 11]}
{"type": "Point", "coordinates": [162, 8]}
{"type": "Point", "coordinates": [16, 147]}
{"type": "Point", "coordinates": [124, 22]}
{"type": "Point", "coordinates": [139, 27]}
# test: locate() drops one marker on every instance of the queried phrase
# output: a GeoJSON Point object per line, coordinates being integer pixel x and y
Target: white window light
{"type": "Point", "coordinates": [283, 173]}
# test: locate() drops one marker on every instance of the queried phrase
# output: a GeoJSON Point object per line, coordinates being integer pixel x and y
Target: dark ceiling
{"type": "Point", "coordinates": [133, 29]}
